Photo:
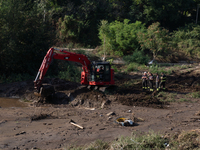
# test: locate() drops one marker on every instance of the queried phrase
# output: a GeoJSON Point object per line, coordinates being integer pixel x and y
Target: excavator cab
{"type": "Point", "coordinates": [101, 74]}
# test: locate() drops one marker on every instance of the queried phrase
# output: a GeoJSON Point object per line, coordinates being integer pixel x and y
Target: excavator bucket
{"type": "Point", "coordinates": [37, 94]}
{"type": "Point", "coordinates": [45, 90]}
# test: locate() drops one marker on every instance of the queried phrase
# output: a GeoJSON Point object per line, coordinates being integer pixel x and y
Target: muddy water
{"type": "Point", "coordinates": [11, 102]}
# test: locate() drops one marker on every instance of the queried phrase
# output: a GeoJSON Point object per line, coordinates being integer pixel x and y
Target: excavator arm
{"type": "Point", "coordinates": [62, 55]}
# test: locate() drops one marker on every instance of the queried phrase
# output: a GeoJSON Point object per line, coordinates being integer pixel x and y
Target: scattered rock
{"type": "Point", "coordinates": [129, 111]}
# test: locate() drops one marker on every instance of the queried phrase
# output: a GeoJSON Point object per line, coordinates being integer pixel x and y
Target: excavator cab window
{"type": "Point", "coordinates": [100, 72]}
{"type": "Point", "coordinates": [107, 73]}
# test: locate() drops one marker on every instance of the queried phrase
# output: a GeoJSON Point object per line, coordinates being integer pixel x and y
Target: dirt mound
{"type": "Point", "coordinates": [16, 89]}
{"type": "Point", "coordinates": [88, 98]}
{"type": "Point", "coordinates": [184, 82]}
{"type": "Point", "coordinates": [72, 93]}
{"type": "Point", "coordinates": [75, 94]}
{"type": "Point", "coordinates": [141, 100]}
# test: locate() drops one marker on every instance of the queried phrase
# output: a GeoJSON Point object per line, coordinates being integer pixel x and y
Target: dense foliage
{"type": "Point", "coordinates": [120, 37]}
{"type": "Point", "coordinates": [187, 40]}
{"type": "Point", "coordinates": [155, 39]}
{"type": "Point", "coordinates": [138, 57]}
{"type": "Point", "coordinates": [24, 37]}
{"type": "Point", "coordinates": [29, 28]}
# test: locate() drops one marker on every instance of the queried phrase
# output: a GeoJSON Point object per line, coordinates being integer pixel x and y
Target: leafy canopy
{"type": "Point", "coordinates": [120, 37]}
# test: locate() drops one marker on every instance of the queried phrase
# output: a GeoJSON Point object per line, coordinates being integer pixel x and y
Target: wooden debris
{"type": "Point", "coordinates": [197, 113]}
{"type": "Point", "coordinates": [87, 108]}
{"type": "Point", "coordinates": [110, 113]}
{"type": "Point", "coordinates": [102, 105]}
{"type": "Point", "coordinates": [90, 108]}
{"type": "Point", "coordinates": [138, 119]}
{"type": "Point", "coordinates": [73, 123]}
{"type": "Point", "coordinates": [105, 103]}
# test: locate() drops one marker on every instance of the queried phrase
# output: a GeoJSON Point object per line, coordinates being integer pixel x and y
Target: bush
{"type": "Point", "coordinates": [132, 67]}
{"type": "Point", "coordinates": [156, 69]}
{"type": "Point", "coordinates": [120, 37]}
{"type": "Point", "coordinates": [138, 57]}
{"type": "Point", "coordinates": [187, 40]}
{"type": "Point", "coordinates": [155, 39]}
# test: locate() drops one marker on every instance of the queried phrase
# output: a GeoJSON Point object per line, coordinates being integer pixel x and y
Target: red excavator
{"type": "Point", "coordinates": [93, 74]}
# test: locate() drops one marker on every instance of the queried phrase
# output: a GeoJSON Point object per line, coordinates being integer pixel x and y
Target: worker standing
{"type": "Point", "coordinates": [163, 80]}
{"type": "Point", "coordinates": [144, 81]}
{"type": "Point", "coordinates": [148, 84]}
{"type": "Point", "coordinates": [151, 81]}
{"type": "Point", "coordinates": [157, 81]}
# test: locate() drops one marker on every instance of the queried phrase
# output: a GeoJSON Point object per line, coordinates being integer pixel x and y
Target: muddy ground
{"type": "Point", "coordinates": [45, 123]}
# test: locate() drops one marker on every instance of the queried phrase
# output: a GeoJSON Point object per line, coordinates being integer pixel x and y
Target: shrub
{"type": "Point", "coordinates": [120, 37]}
{"type": "Point", "coordinates": [155, 39]}
{"type": "Point", "coordinates": [138, 57]}
{"type": "Point", "coordinates": [132, 67]}
{"type": "Point", "coordinates": [187, 40]}
{"type": "Point", "coordinates": [156, 69]}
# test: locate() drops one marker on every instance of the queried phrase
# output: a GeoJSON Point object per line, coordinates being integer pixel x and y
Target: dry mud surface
{"type": "Point", "coordinates": [45, 123]}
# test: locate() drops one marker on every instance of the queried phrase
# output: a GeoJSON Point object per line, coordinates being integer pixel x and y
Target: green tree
{"type": "Point", "coordinates": [121, 37]}
{"type": "Point", "coordinates": [171, 14]}
{"type": "Point", "coordinates": [187, 40]}
{"type": "Point", "coordinates": [155, 39]}
{"type": "Point", "coordinates": [102, 34]}
{"type": "Point", "coordinates": [24, 39]}
{"type": "Point", "coordinates": [69, 29]}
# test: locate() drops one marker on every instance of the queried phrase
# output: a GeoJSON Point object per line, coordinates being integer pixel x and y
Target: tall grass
{"type": "Point", "coordinates": [132, 67]}
{"type": "Point", "coordinates": [195, 95]}
{"type": "Point", "coordinates": [148, 141]}
{"type": "Point", "coordinates": [156, 69]}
